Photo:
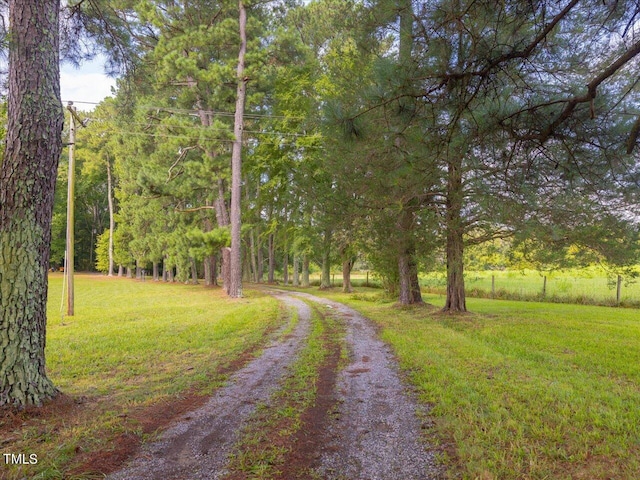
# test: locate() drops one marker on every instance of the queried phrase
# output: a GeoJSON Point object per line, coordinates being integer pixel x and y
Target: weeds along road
{"type": "Point", "coordinates": [354, 421]}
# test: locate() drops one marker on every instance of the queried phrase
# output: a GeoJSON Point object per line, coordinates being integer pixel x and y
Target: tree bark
{"type": "Point", "coordinates": [296, 271]}
{"type": "Point", "coordinates": [305, 270]}
{"type": "Point", "coordinates": [285, 268]}
{"type": "Point", "coordinates": [214, 270]}
{"type": "Point", "coordinates": [409, 293]}
{"type": "Point", "coordinates": [112, 222]}
{"type": "Point", "coordinates": [272, 259]}
{"type": "Point", "coordinates": [194, 271]}
{"type": "Point", "coordinates": [252, 252]}
{"type": "Point", "coordinates": [226, 269]}
{"type": "Point", "coordinates": [208, 270]}
{"type": "Point", "coordinates": [325, 281]}
{"type": "Point", "coordinates": [455, 301]}
{"type": "Point", "coordinates": [27, 181]}
{"type": "Point", "coordinates": [235, 286]}
{"type": "Point", "coordinates": [156, 272]}
{"type": "Point", "coordinates": [347, 264]}
{"type": "Point", "coordinates": [260, 261]}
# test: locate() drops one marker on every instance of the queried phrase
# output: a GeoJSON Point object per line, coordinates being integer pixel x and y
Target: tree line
{"type": "Point", "coordinates": [254, 134]}
{"type": "Point", "coordinates": [397, 131]}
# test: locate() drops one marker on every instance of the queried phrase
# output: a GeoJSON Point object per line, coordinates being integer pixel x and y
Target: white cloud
{"type": "Point", "coordinates": [85, 84]}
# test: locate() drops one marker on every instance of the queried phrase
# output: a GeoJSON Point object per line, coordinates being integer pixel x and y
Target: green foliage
{"type": "Point", "coordinates": [102, 252]}
{"type": "Point", "coordinates": [204, 244]}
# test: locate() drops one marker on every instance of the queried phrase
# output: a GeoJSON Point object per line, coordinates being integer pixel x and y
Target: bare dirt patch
{"type": "Point", "coordinates": [306, 445]}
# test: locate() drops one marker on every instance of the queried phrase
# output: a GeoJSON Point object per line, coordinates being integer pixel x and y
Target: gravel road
{"type": "Point", "coordinates": [198, 447]}
{"type": "Point", "coordinates": [373, 430]}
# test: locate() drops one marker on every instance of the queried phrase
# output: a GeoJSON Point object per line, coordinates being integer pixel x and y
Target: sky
{"type": "Point", "coordinates": [85, 84]}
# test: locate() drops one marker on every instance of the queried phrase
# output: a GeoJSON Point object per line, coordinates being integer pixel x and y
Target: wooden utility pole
{"type": "Point", "coordinates": [68, 268]}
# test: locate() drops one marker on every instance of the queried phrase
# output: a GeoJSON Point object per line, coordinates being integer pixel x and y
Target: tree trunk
{"type": "Point", "coordinates": [214, 270]}
{"type": "Point", "coordinates": [252, 252]}
{"type": "Point", "coordinates": [325, 280]}
{"type": "Point", "coordinates": [120, 270]}
{"type": "Point", "coordinates": [347, 264]}
{"type": "Point", "coordinates": [235, 286]}
{"type": "Point", "coordinates": [194, 271]}
{"type": "Point", "coordinates": [156, 272]}
{"type": "Point", "coordinates": [407, 266]}
{"type": "Point", "coordinates": [208, 270]}
{"type": "Point", "coordinates": [226, 269]}
{"type": "Point", "coordinates": [410, 293]}
{"type": "Point", "coordinates": [455, 301]}
{"type": "Point", "coordinates": [222, 215]}
{"type": "Point", "coordinates": [404, 297]}
{"type": "Point", "coordinates": [272, 259]}
{"type": "Point", "coordinates": [285, 269]}
{"type": "Point", "coordinates": [305, 270]}
{"type": "Point", "coordinates": [33, 145]}
{"type": "Point", "coordinates": [260, 261]}
{"type": "Point", "coordinates": [296, 271]}
{"type": "Point", "coordinates": [416, 293]}
{"type": "Point", "coordinates": [112, 222]}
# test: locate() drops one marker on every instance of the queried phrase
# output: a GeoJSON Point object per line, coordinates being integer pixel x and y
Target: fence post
{"type": "Point", "coordinates": [619, 290]}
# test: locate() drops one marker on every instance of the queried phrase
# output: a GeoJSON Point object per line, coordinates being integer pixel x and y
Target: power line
{"type": "Point", "coordinates": [163, 135]}
{"type": "Point", "coordinates": [185, 111]}
{"type": "Point", "coordinates": [206, 128]}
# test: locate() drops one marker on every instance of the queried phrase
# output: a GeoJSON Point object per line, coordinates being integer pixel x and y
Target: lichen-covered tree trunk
{"type": "Point", "coordinates": [27, 181]}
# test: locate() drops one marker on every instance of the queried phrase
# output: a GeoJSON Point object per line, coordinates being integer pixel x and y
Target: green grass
{"type": "Point", "coordinates": [587, 285]}
{"type": "Point", "coordinates": [523, 390]}
{"type": "Point", "coordinates": [129, 346]}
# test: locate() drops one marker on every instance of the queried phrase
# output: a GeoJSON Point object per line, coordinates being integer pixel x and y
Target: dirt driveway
{"type": "Point", "coordinates": [364, 424]}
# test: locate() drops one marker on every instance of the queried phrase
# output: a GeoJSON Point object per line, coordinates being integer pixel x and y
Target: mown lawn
{"type": "Point", "coordinates": [131, 346]}
{"type": "Point", "coordinates": [522, 390]}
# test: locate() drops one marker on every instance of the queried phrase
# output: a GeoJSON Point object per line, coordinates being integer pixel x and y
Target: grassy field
{"type": "Point", "coordinates": [519, 390]}
{"type": "Point", "coordinates": [583, 285]}
{"type": "Point", "coordinates": [130, 347]}
{"type": "Point", "coordinates": [522, 390]}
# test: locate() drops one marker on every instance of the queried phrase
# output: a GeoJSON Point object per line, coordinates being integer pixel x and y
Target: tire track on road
{"type": "Point", "coordinates": [198, 447]}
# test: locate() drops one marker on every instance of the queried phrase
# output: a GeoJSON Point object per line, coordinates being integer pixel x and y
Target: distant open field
{"type": "Point", "coordinates": [588, 285]}
{"type": "Point", "coordinates": [580, 285]}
